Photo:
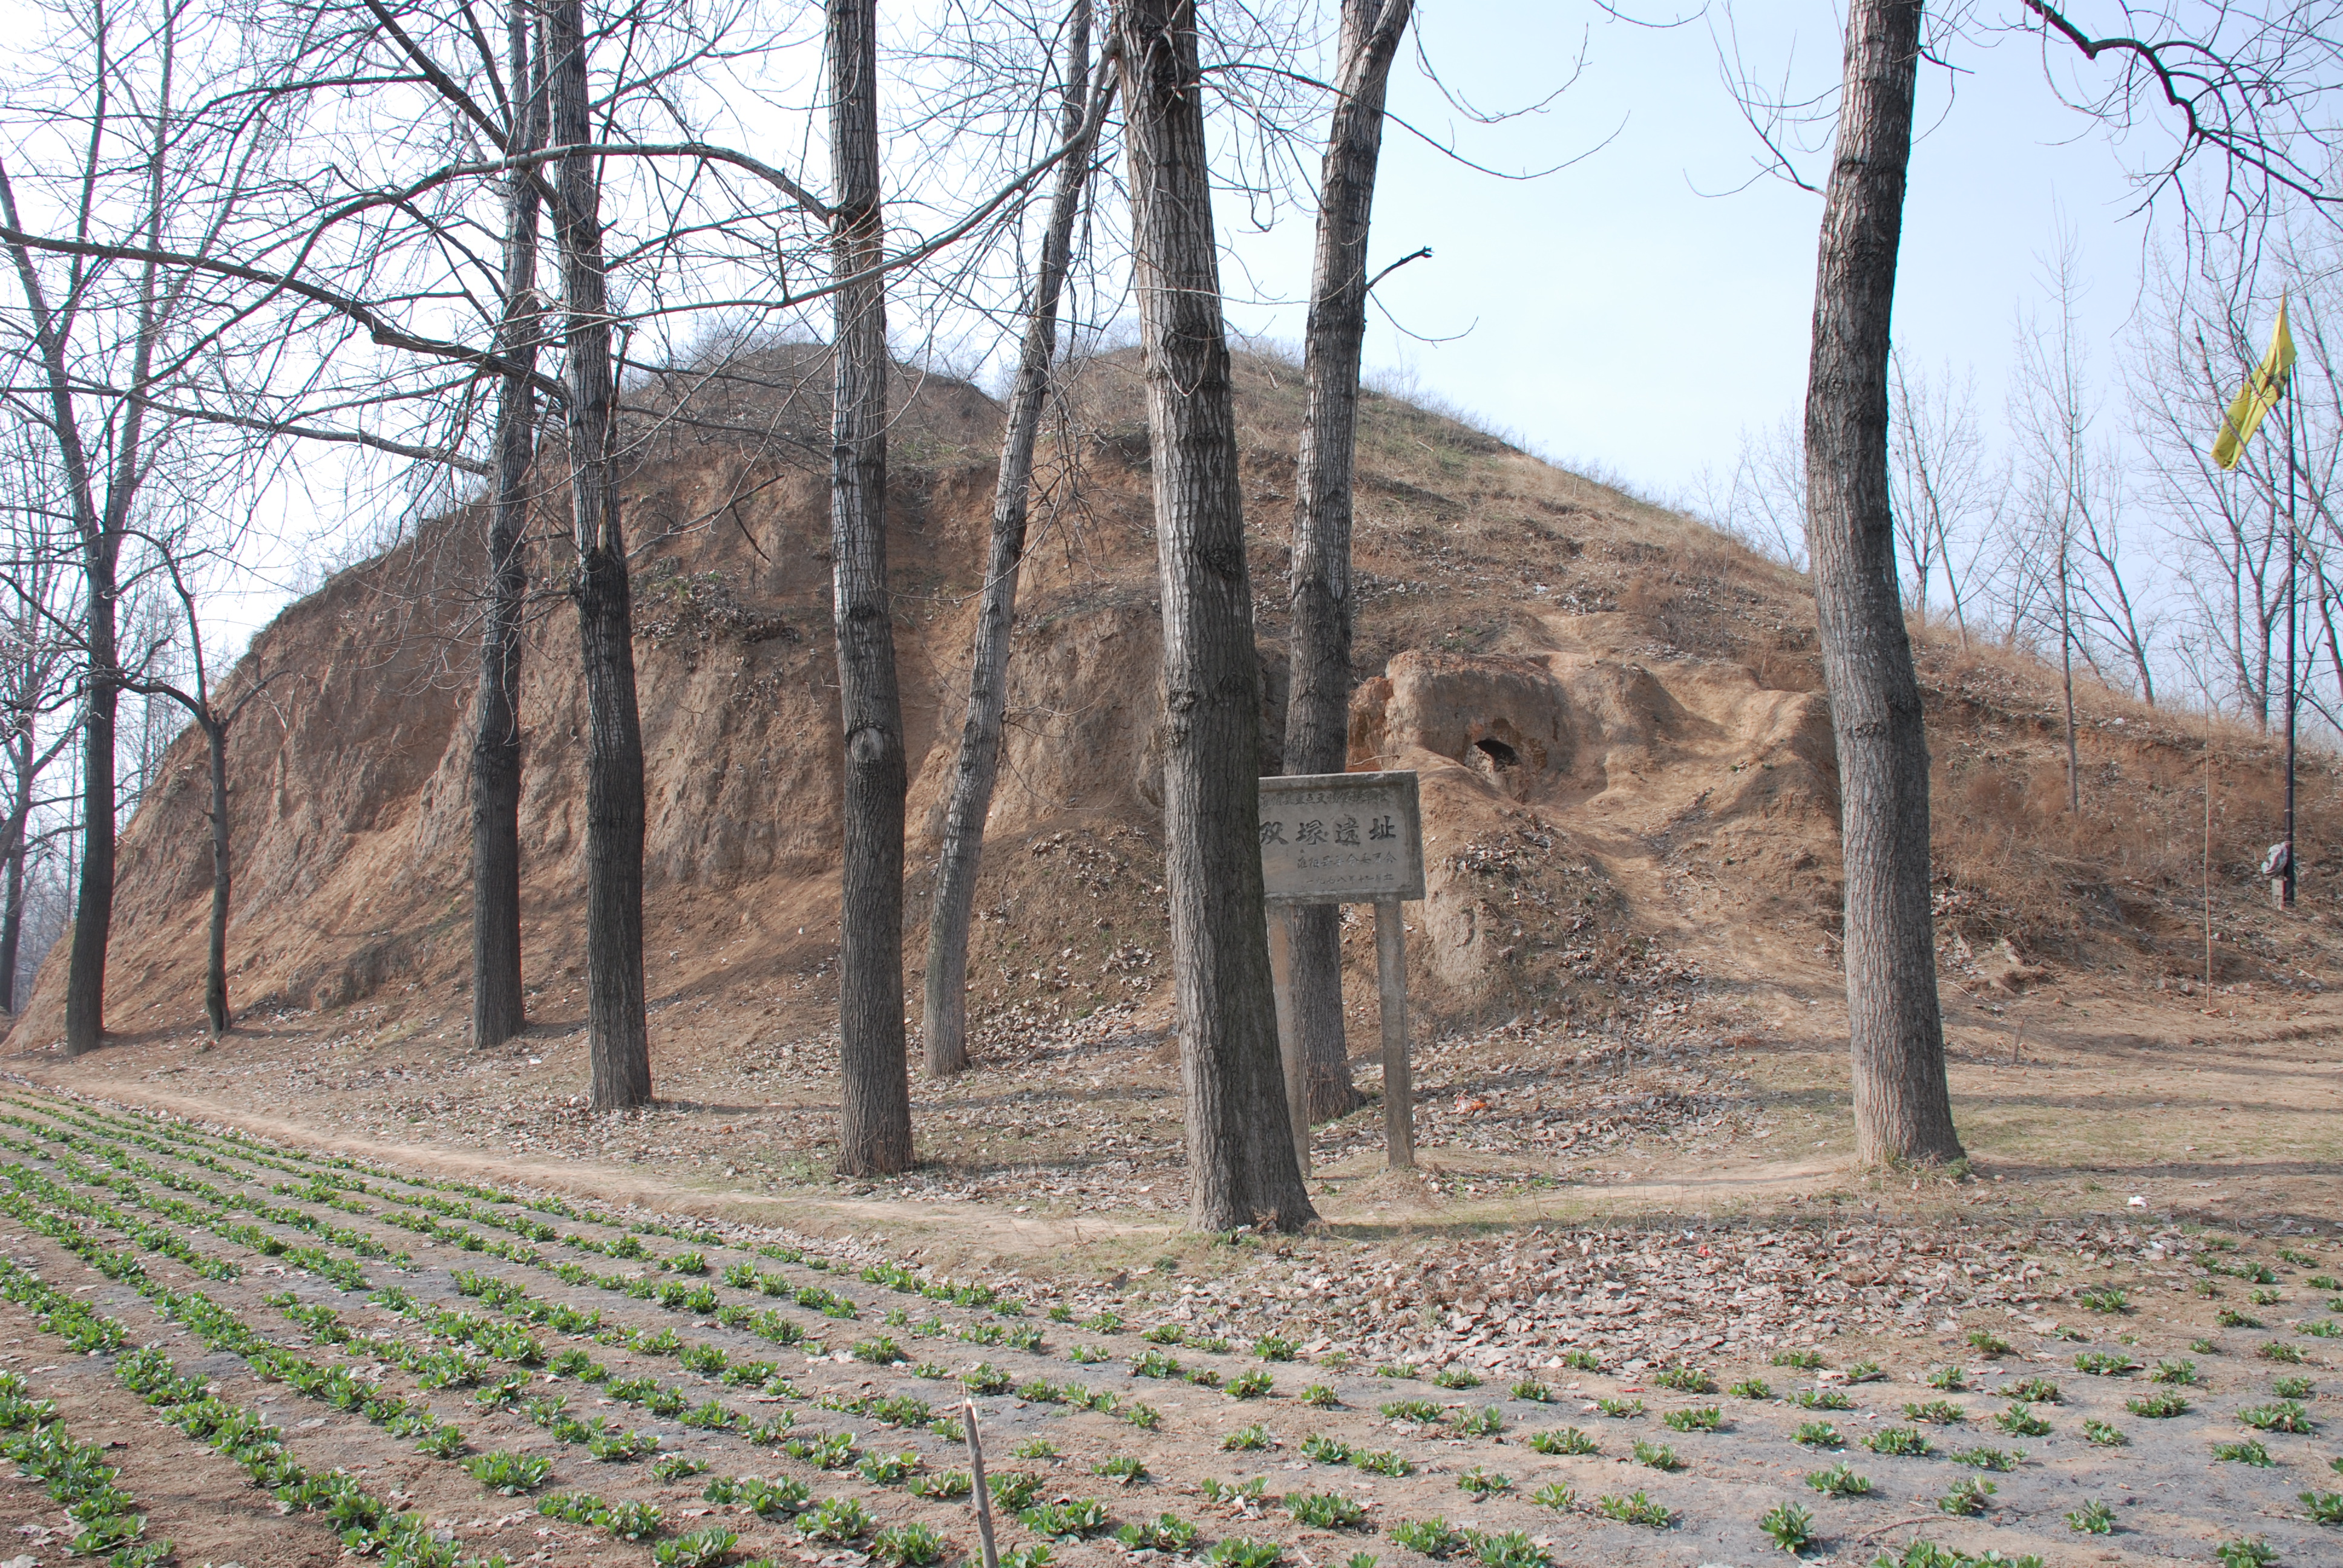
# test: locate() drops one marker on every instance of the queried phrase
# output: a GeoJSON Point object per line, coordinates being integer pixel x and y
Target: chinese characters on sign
{"type": "Point", "coordinates": [1341, 838]}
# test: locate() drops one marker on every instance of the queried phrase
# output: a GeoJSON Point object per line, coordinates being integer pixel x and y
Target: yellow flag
{"type": "Point", "coordinates": [2260, 395]}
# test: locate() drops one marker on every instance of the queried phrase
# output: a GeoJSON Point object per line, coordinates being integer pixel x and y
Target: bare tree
{"type": "Point", "coordinates": [98, 339]}
{"type": "Point", "coordinates": [944, 1030]}
{"type": "Point", "coordinates": [1318, 704]}
{"type": "Point", "coordinates": [1240, 1142]}
{"type": "Point", "coordinates": [616, 1029]}
{"type": "Point", "coordinates": [499, 1010]}
{"type": "Point", "coordinates": [1903, 1106]}
{"type": "Point", "coordinates": [39, 677]}
{"type": "Point", "coordinates": [1948, 515]}
{"type": "Point", "coordinates": [214, 722]}
{"type": "Point", "coordinates": [875, 1098]}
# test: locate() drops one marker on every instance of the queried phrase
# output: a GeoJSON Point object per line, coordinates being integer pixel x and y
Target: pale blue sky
{"type": "Point", "coordinates": [1616, 317]}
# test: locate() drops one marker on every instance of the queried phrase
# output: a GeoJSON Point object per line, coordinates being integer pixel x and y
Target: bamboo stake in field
{"type": "Point", "coordinates": [983, 1497]}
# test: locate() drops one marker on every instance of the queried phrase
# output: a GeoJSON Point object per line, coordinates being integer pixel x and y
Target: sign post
{"type": "Point", "coordinates": [1345, 839]}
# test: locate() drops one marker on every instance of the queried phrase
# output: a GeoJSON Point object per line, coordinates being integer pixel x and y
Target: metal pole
{"type": "Point", "coordinates": [2293, 549]}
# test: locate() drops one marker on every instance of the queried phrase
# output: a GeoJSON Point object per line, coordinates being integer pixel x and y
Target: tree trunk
{"type": "Point", "coordinates": [875, 1092]}
{"type": "Point", "coordinates": [2067, 678]}
{"type": "Point", "coordinates": [499, 1010]}
{"type": "Point", "coordinates": [618, 1039]}
{"type": "Point", "coordinates": [945, 1019]}
{"type": "Point", "coordinates": [1241, 1163]}
{"type": "Point", "coordinates": [215, 953]}
{"type": "Point", "coordinates": [94, 899]}
{"type": "Point", "coordinates": [1902, 1110]}
{"type": "Point", "coordinates": [12, 913]}
{"type": "Point", "coordinates": [1318, 708]}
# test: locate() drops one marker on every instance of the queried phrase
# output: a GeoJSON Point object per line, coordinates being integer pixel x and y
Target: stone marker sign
{"type": "Point", "coordinates": [1346, 838]}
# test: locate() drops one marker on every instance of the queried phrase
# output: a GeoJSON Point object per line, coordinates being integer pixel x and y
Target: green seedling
{"type": "Point", "coordinates": [1275, 1348]}
{"type": "Point", "coordinates": [1432, 1537]}
{"type": "Point", "coordinates": [2034, 1391]}
{"type": "Point", "coordinates": [1069, 1519]}
{"type": "Point", "coordinates": [1481, 1483]}
{"type": "Point", "coordinates": [1752, 1388]}
{"type": "Point", "coordinates": [1804, 1361]}
{"type": "Point", "coordinates": [1013, 1489]}
{"type": "Point", "coordinates": [888, 1469]}
{"type": "Point", "coordinates": [2094, 1518]}
{"type": "Point", "coordinates": [1951, 1379]}
{"type": "Point", "coordinates": [1708, 1418]}
{"type": "Point", "coordinates": [2324, 1507]}
{"type": "Point", "coordinates": [1966, 1498]}
{"type": "Point", "coordinates": [1818, 1434]}
{"type": "Point", "coordinates": [1232, 1491]}
{"type": "Point", "coordinates": [2293, 1387]}
{"type": "Point", "coordinates": [2105, 1300]}
{"type": "Point", "coordinates": [1414, 1412]}
{"type": "Point", "coordinates": [836, 1518]}
{"type": "Point", "coordinates": [1996, 1459]}
{"type": "Point", "coordinates": [1587, 1360]}
{"type": "Point", "coordinates": [1536, 1392]}
{"type": "Point", "coordinates": [2230, 1318]}
{"type": "Point", "coordinates": [1987, 1343]}
{"type": "Point", "coordinates": [2183, 1372]}
{"type": "Point", "coordinates": [1620, 1408]}
{"type": "Point", "coordinates": [1036, 1448]}
{"type": "Point", "coordinates": [1249, 1386]}
{"type": "Point", "coordinates": [2246, 1551]}
{"type": "Point", "coordinates": [1318, 1396]}
{"type": "Point", "coordinates": [1657, 1455]}
{"type": "Point", "coordinates": [1326, 1449]}
{"type": "Point", "coordinates": [1791, 1527]}
{"type": "Point", "coordinates": [1635, 1508]}
{"type": "Point", "coordinates": [948, 1487]}
{"type": "Point", "coordinates": [2019, 1422]}
{"type": "Point", "coordinates": [2100, 1364]}
{"type": "Point", "coordinates": [1246, 1439]}
{"type": "Point", "coordinates": [2280, 1351]}
{"type": "Point", "coordinates": [1456, 1377]}
{"type": "Point", "coordinates": [1488, 1422]}
{"type": "Point", "coordinates": [1865, 1371]}
{"type": "Point", "coordinates": [1328, 1511]}
{"type": "Point", "coordinates": [2246, 1452]}
{"type": "Point", "coordinates": [1238, 1552]}
{"type": "Point", "coordinates": [1569, 1440]}
{"type": "Point", "coordinates": [1126, 1468]}
{"type": "Point", "coordinates": [1381, 1463]}
{"type": "Point", "coordinates": [1165, 1532]}
{"type": "Point", "coordinates": [509, 1474]}
{"type": "Point", "coordinates": [1821, 1399]}
{"type": "Point", "coordinates": [1553, 1495]}
{"type": "Point", "coordinates": [912, 1545]}
{"type": "Point", "coordinates": [1508, 1549]}
{"type": "Point", "coordinates": [1686, 1380]}
{"type": "Point", "coordinates": [1899, 1442]}
{"type": "Point", "coordinates": [2100, 1434]}
{"type": "Point", "coordinates": [2284, 1416]}
{"type": "Point", "coordinates": [2160, 1405]}
{"type": "Point", "coordinates": [1938, 1412]}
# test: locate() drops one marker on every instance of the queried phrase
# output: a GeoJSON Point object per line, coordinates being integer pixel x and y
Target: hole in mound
{"type": "Point", "coordinates": [1498, 752]}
